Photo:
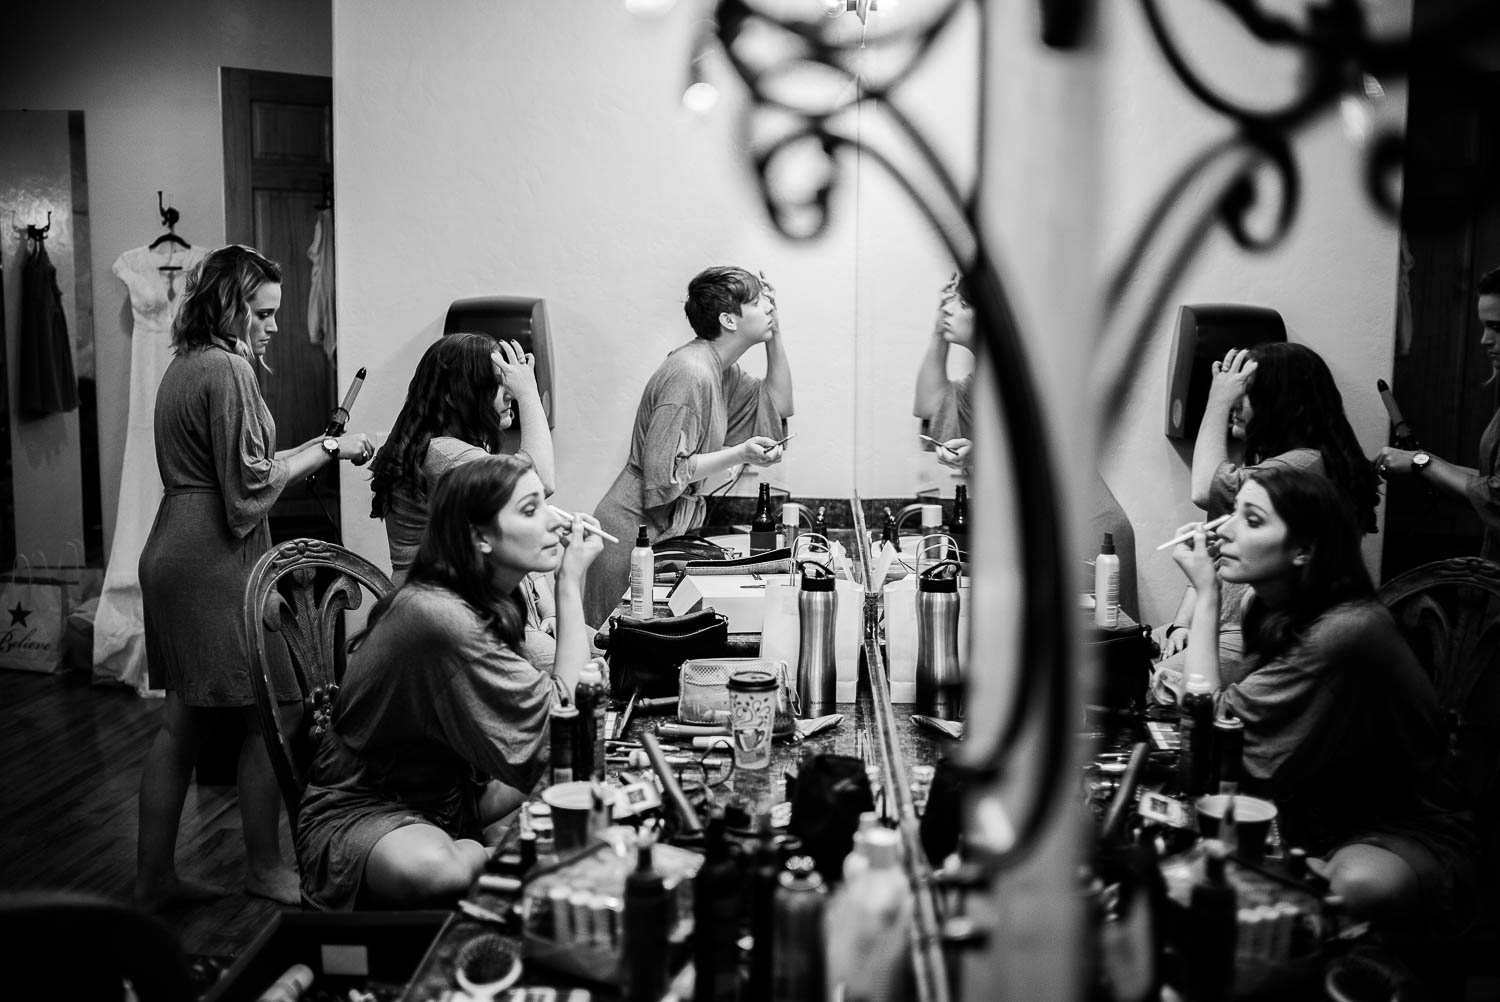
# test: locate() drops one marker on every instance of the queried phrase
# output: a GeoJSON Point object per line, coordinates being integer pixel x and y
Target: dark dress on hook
{"type": "Point", "coordinates": [48, 385]}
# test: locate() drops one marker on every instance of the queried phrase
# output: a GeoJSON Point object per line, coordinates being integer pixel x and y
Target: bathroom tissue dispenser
{"type": "Point", "coordinates": [510, 318]}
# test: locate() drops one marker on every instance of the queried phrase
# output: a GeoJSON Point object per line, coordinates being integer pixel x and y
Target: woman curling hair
{"type": "Point", "coordinates": [221, 471]}
{"type": "Point", "coordinates": [1342, 725]}
{"type": "Point", "coordinates": [441, 723]}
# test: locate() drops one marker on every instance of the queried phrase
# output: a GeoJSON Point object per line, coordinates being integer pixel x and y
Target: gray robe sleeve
{"type": "Point", "coordinates": [243, 442]}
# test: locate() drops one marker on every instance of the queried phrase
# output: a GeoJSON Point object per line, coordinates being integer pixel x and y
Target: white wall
{"type": "Point", "coordinates": [146, 77]}
{"type": "Point", "coordinates": [537, 148]}
{"type": "Point", "coordinates": [1333, 280]}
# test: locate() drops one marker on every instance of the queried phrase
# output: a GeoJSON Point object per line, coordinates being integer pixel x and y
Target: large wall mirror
{"type": "Point", "coordinates": [50, 508]}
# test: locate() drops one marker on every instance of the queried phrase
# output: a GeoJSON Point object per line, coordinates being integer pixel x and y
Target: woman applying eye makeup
{"type": "Point", "coordinates": [442, 720]}
{"type": "Point", "coordinates": [1342, 726]}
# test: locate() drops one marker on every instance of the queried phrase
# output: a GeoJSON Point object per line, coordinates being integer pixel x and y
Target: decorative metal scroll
{"type": "Point", "coordinates": [1341, 54]}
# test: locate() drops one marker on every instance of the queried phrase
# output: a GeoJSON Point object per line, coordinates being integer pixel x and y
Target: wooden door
{"type": "Point", "coordinates": [1451, 223]}
{"type": "Point", "coordinates": [278, 164]}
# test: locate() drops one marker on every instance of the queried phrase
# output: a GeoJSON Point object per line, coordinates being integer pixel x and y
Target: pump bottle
{"type": "Point", "coordinates": [646, 923]}
{"type": "Point", "coordinates": [1107, 585]}
{"type": "Point", "coordinates": [642, 576]}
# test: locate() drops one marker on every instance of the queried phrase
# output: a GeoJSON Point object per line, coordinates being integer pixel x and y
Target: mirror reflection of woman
{"type": "Point", "coordinates": [466, 391]}
{"type": "Point", "coordinates": [216, 448]}
{"type": "Point", "coordinates": [699, 416]}
{"type": "Point", "coordinates": [1342, 726]}
{"type": "Point", "coordinates": [1480, 486]}
{"type": "Point", "coordinates": [946, 405]}
{"type": "Point", "coordinates": [1275, 405]}
{"type": "Point", "coordinates": [442, 721]}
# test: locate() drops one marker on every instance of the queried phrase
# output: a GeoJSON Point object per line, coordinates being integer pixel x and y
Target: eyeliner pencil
{"type": "Point", "coordinates": [1188, 535]}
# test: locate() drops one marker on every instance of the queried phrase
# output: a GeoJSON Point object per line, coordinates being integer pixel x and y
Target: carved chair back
{"type": "Point", "coordinates": [300, 590]}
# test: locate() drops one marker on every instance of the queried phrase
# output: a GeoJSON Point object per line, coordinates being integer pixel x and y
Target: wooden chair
{"type": "Point", "coordinates": [300, 590]}
{"type": "Point", "coordinates": [1449, 613]}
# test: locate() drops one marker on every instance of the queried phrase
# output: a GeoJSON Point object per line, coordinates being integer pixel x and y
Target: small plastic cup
{"type": "Point", "coordinates": [574, 817]}
{"type": "Point", "coordinates": [1252, 822]}
{"type": "Point", "coordinates": [752, 717]}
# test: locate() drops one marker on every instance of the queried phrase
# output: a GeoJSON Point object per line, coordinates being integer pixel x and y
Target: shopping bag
{"type": "Point", "coordinates": [780, 635]}
{"type": "Point", "coordinates": [81, 581]}
{"type": "Point", "coordinates": [901, 635]}
{"type": "Point", "coordinates": [33, 614]}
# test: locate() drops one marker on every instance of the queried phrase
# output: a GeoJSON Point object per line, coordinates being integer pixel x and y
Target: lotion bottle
{"type": "Point", "coordinates": [1107, 585]}
{"type": "Point", "coordinates": [642, 576]}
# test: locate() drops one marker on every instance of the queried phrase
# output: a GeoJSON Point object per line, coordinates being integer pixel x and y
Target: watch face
{"type": "Point", "coordinates": [1420, 460]}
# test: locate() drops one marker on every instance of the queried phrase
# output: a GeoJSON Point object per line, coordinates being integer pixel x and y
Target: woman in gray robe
{"type": "Point", "coordinates": [216, 448]}
{"type": "Point", "coordinates": [699, 416]}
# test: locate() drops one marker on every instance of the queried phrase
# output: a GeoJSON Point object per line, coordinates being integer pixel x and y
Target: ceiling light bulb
{"type": "Point", "coordinates": [833, 8]}
{"type": "Point", "coordinates": [649, 8]}
{"type": "Point", "coordinates": [700, 98]}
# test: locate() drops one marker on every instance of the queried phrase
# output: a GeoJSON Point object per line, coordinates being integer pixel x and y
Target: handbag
{"type": "Point", "coordinates": [703, 691]}
{"type": "Point", "coordinates": [644, 654]}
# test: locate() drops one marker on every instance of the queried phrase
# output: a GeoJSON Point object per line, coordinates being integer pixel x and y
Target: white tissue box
{"type": "Point", "coordinates": [741, 597]}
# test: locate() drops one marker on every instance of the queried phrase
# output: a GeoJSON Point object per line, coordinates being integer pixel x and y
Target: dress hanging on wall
{"type": "Point", "coordinates": [320, 324]}
{"type": "Point", "coordinates": [47, 383]}
{"type": "Point", "coordinates": [156, 279]}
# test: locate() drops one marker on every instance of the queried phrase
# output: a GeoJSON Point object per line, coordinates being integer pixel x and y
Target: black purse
{"type": "Point", "coordinates": [645, 654]}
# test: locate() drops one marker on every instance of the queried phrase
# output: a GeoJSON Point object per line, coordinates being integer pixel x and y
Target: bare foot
{"type": "Point", "coordinates": [176, 892]}
{"type": "Point", "coordinates": [279, 885]}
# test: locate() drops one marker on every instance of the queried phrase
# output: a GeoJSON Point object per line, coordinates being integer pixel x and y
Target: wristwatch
{"type": "Point", "coordinates": [1419, 461]}
{"type": "Point", "coordinates": [331, 447]}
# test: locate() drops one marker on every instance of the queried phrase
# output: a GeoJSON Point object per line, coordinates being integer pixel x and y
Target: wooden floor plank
{"type": "Point", "coordinates": [70, 768]}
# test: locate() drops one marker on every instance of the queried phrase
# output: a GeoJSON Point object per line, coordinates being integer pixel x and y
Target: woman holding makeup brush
{"type": "Point", "coordinates": [467, 390]}
{"type": "Point", "coordinates": [699, 416]}
{"type": "Point", "coordinates": [441, 723]}
{"type": "Point", "coordinates": [1275, 405]}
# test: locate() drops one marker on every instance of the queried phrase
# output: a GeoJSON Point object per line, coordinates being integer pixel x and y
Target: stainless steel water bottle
{"type": "Point", "coordinates": [939, 678]}
{"type": "Point", "coordinates": [817, 614]}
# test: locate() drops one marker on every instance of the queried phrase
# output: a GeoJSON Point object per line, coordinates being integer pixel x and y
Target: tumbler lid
{"type": "Point", "coordinates": [815, 576]}
{"type": "Point", "coordinates": [752, 680]}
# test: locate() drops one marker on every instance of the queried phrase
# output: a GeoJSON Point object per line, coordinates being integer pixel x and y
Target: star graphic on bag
{"type": "Point", "coordinates": [18, 615]}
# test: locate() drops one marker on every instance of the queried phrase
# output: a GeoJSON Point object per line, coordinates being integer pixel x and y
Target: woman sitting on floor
{"type": "Point", "coordinates": [441, 722]}
{"type": "Point", "coordinates": [1342, 726]}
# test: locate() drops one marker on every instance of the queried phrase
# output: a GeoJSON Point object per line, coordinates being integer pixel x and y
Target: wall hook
{"type": "Point", "coordinates": [169, 215]}
{"type": "Point", "coordinates": [39, 232]}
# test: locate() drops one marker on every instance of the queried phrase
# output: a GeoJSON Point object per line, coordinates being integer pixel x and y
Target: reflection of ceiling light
{"type": "Point", "coordinates": [700, 97]}
{"type": "Point", "coordinates": [833, 8]}
{"type": "Point", "coordinates": [649, 8]}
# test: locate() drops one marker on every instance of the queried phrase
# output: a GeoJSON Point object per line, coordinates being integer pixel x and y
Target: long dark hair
{"type": "Point", "coordinates": [1295, 404]}
{"type": "Point", "coordinates": [467, 497]}
{"type": "Point", "coordinates": [1319, 517]}
{"type": "Point", "coordinates": [452, 393]}
{"type": "Point", "coordinates": [217, 304]}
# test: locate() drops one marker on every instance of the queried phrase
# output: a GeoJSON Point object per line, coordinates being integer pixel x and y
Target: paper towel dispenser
{"type": "Point", "coordinates": [1204, 333]}
{"type": "Point", "coordinates": [510, 318]}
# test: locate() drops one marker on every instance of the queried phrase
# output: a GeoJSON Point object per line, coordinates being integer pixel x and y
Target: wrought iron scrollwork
{"type": "Point", "coordinates": [1254, 165]}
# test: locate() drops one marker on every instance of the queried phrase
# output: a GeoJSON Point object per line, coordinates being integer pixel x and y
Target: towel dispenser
{"type": "Point", "coordinates": [510, 318]}
{"type": "Point", "coordinates": [1204, 333]}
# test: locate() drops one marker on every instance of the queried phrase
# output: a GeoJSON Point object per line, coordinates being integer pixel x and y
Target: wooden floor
{"type": "Point", "coordinates": [70, 767]}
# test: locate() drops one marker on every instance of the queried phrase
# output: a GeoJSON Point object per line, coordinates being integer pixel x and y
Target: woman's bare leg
{"type": "Point", "coordinates": [267, 872]}
{"type": "Point", "coordinates": [164, 783]}
{"type": "Point", "coordinates": [421, 865]}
